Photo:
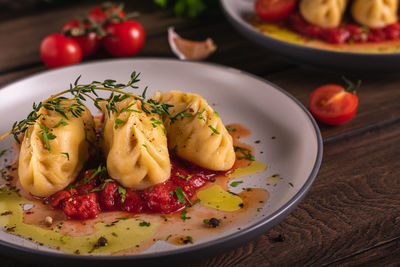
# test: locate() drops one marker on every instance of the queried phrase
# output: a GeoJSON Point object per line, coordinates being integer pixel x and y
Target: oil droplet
{"type": "Point", "coordinates": [274, 178]}
{"type": "Point", "coordinates": [217, 198]}
{"type": "Point", "coordinates": [255, 167]}
{"type": "Point", "coordinates": [116, 235]}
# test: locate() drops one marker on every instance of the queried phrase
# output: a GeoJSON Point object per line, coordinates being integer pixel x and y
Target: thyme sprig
{"type": "Point", "coordinates": [80, 93]}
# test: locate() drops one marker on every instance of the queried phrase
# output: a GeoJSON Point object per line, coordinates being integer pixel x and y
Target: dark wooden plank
{"type": "Point", "coordinates": [22, 36]}
{"type": "Point", "coordinates": [353, 205]}
{"type": "Point", "coordinates": [387, 254]}
{"type": "Point", "coordinates": [379, 96]}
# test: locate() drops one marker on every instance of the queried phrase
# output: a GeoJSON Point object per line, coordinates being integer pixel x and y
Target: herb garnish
{"type": "Point", "coordinates": [81, 92]}
{"type": "Point", "coordinates": [61, 122]}
{"type": "Point", "coordinates": [183, 114]}
{"type": "Point", "coordinates": [122, 192]}
{"type": "Point", "coordinates": [245, 153]}
{"type": "Point", "coordinates": [184, 176]}
{"type": "Point", "coordinates": [200, 116]}
{"type": "Point", "coordinates": [47, 136]}
{"type": "Point", "coordinates": [183, 214]}
{"type": "Point", "coordinates": [3, 152]}
{"type": "Point", "coordinates": [230, 129]}
{"type": "Point", "coordinates": [118, 122]}
{"type": "Point", "coordinates": [213, 129]}
{"type": "Point", "coordinates": [179, 194]}
{"type": "Point", "coordinates": [234, 184]}
{"type": "Point", "coordinates": [142, 224]}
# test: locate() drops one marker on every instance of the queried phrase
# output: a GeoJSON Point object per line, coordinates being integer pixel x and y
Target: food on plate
{"type": "Point", "coordinates": [375, 13]}
{"type": "Point", "coordinates": [55, 149]}
{"type": "Point", "coordinates": [272, 10]}
{"type": "Point", "coordinates": [190, 50]}
{"type": "Point", "coordinates": [141, 172]}
{"type": "Point", "coordinates": [332, 104]}
{"type": "Point", "coordinates": [323, 13]}
{"type": "Point", "coordinates": [369, 26]}
{"type": "Point", "coordinates": [135, 145]}
{"type": "Point", "coordinates": [196, 132]}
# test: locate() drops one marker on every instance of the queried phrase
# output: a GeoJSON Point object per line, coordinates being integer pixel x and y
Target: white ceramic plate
{"type": "Point", "coordinates": [267, 110]}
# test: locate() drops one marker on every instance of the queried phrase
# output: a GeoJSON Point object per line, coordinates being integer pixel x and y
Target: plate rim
{"type": "Point", "coordinates": [246, 26]}
{"type": "Point", "coordinates": [234, 239]}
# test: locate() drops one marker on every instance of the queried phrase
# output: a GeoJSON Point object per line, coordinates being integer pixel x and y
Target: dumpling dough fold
{"type": "Point", "coordinates": [197, 133]}
{"type": "Point", "coordinates": [375, 13]}
{"type": "Point", "coordinates": [323, 13]}
{"type": "Point", "coordinates": [135, 145]}
{"type": "Point", "coordinates": [43, 172]}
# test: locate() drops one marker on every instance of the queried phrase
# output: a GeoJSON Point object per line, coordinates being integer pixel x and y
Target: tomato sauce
{"type": "Point", "coordinates": [345, 33]}
{"type": "Point", "coordinates": [92, 194]}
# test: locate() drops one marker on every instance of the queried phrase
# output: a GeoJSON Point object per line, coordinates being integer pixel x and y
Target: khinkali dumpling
{"type": "Point", "coordinates": [45, 170]}
{"type": "Point", "coordinates": [196, 132]}
{"type": "Point", "coordinates": [135, 145]}
{"type": "Point", "coordinates": [375, 13]}
{"type": "Point", "coordinates": [323, 13]}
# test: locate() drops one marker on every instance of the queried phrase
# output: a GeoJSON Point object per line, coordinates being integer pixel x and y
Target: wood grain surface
{"type": "Point", "coordinates": [350, 217]}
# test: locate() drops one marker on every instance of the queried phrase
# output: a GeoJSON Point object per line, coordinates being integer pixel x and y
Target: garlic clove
{"type": "Point", "coordinates": [190, 50]}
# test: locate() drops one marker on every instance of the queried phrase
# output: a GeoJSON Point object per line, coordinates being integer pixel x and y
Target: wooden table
{"type": "Point", "coordinates": [351, 216]}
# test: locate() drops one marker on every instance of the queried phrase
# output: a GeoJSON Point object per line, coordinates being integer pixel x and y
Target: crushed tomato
{"type": "Point", "coordinates": [86, 197]}
{"type": "Point", "coordinates": [345, 33]}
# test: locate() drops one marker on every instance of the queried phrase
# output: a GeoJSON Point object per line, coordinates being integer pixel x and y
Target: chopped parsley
{"type": "Point", "coordinates": [114, 234]}
{"type": "Point", "coordinates": [213, 129]}
{"type": "Point", "coordinates": [128, 109]}
{"type": "Point", "coordinates": [183, 215]}
{"type": "Point", "coordinates": [46, 136]}
{"type": "Point", "coordinates": [118, 122]}
{"type": "Point", "coordinates": [245, 153]}
{"type": "Point", "coordinates": [180, 195]}
{"type": "Point", "coordinates": [142, 224]}
{"type": "Point", "coordinates": [3, 152]}
{"type": "Point", "coordinates": [183, 114]}
{"type": "Point", "coordinates": [122, 192]}
{"type": "Point", "coordinates": [200, 116]}
{"type": "Point", "coordinates": [184, 176]}
{"type": "Point", "coordinates": [230, 129]}
{"type": "Point", "coordinates": [61, 122]}
{"type": "Point", "coordinates": [290, 184]}
{"type": "Point", "coordinates": [234, 184]}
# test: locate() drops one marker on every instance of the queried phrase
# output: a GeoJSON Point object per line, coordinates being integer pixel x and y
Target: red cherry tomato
{"type": "Point", "coordinates": [274, 10]}
{"type": "Point", "coordinates": [126, 38]}
{"type": "Point", "coordinates": [332, 104]}
{"type": "Point", "coordinates": [99, 14]}
{"type": "Point", "coordinates": [57, 50]}
{"type": "Point", "coordinates": [88, 42]}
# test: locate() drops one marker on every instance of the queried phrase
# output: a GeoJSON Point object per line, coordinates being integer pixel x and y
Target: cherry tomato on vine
{"type": "Point", "coordinates": [58, 50]}
{"type": "Point", "coordinates": [100, 13]}
{"type": "Point", "coordinates": [332, 104]}
{"type": "Point", "coordinates": [88, 41]}
{"type": "Point", "coordinates": [274, 10]}
{"type": "Point", "coordinates": [125, 39]}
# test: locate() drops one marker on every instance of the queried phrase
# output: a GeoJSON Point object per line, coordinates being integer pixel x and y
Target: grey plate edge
{"type": "Point", "coordinates": [218, 245]}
